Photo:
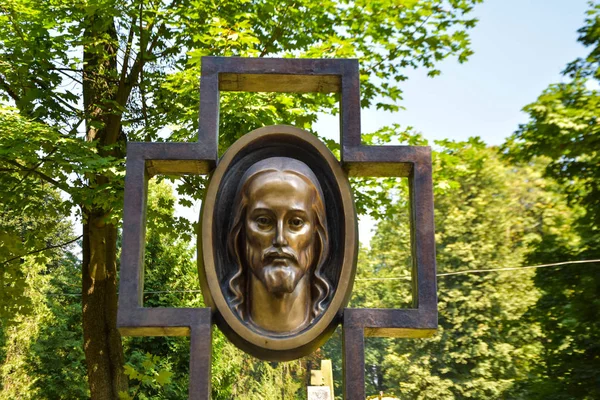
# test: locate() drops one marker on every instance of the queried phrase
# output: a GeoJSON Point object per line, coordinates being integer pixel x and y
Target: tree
{"type": "Point", "coordinates": [44, 358]}
{"type": "Point", "coordinates": [40, 334]}
{"type": "Point", "coordinates": [564, 125]}
{"type": "Point", "coordinates": [99, 73]}
{"type": "Point", "coordinates": [487, 216]}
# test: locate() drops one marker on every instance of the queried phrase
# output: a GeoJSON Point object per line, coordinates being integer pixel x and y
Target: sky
{"type": "Point", "coordinates": [520, 47]}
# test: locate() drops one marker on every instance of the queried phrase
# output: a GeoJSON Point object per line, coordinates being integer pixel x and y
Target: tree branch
{"type": "Point", "coordinates": [392, 52]}
{"type": "Point", "coordinates": [57, 98]}
{"type": "Point", "coordinates": [40, 250]}
{"type": "Point", "coordinates": [127, 53]}
{"type": "Point", "coordinates": [41, 175]}
{"type": "Point", "coordinates": [16, 27]}
{"type": "Point", "coordinates": [138, 65]}
{"type": "Point", "coordinates": [124, 91]}
{"type": "Point", "coordinates": [32, 169]}
{"type": "Point", "coordinates": [63, 71]}
{"type": "Point", "coordinates": [276, 34]}
{"type": "Point", "coordinates": [9, 90]}
{"type": "Point", "coordinates": [141, 83]}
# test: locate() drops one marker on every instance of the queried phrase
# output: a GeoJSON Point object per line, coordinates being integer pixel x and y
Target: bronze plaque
{"type": "Point", "coordinates": [278, 243]}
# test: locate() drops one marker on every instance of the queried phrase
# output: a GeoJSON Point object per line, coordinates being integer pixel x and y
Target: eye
{"type": "Point", "coordinates": [296, 222]}
{"type": "Point", "coordinates": [263, 221]}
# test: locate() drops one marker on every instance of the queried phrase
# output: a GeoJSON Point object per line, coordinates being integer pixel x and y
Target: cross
{"type": "Point", "coordinates": [278, 75]}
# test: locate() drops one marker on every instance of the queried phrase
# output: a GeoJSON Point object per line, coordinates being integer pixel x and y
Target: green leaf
{"type": "Point", "coordinates": [164, 377]}
{"type": "Point", "coordinates": [131, 372]}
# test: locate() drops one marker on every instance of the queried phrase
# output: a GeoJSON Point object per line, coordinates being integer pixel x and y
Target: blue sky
{"type": "Point", "coordinates": [520, 46]}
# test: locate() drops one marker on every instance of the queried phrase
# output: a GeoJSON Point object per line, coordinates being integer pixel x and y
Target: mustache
{"type": "Point", "coordinates": [272, 252]}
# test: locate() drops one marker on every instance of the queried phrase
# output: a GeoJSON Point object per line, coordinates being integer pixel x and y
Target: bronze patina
{"type": "Point", "coordinates": [278, 242]}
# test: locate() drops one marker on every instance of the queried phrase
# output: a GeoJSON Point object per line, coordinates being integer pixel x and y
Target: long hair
{"type": "Point", "coordinates": [238, 282]}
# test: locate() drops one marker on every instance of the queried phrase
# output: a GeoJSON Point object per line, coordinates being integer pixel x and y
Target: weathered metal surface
{"type": "Point", "coordinates": [279, 83]}
{"type": "Point", "coordinates": [200, 358]}
{"type": "Point", "coordinates": [140, 156]}
{"type": "Point", "coordinates": [415, 163]}
{"type": "Point", "coordinates": [278, 326]}
{"type": "Point", "coordinates": [378, 322]}
{"type": "Point", "coordinates": [373, 161]}
{"type": "Point", "coordinates": [353, 362]}
{"type": "Point", "coordinates": [280, 75]}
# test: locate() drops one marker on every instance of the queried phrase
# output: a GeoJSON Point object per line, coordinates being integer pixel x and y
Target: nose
{"type": "Point", "coordinates": [280, 239]}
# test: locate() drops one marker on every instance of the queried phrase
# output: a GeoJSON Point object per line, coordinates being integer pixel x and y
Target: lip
{"type": "Point", "coordinates": [281, 259]}
{"type": "Point", "coordinates": [278, 256]}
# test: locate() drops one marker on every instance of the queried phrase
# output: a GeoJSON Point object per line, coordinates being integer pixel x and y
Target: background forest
{"type": "Point", "coordinates": [79, 79]}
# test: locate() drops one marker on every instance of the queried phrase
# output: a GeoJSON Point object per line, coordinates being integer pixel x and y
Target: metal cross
{"type": "Point", "coordinates": [278, 75]}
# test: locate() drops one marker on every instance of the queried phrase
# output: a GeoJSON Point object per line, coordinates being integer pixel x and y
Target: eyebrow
{"type": "Point", "coordinates": [263, 209]}
{"type": "Point", "coordinates": [298, 210]}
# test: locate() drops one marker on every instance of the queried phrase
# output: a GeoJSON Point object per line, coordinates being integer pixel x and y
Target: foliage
{"type": "Point", "coordinates": [85, 77]}
{"type": "Point", "coordinates": [564, 125]}
{"type": "Point", "coordinates": [261, 380]}
{"type": "Point", "coordinates": [40, 346]}
{"type": "Point", "coordinates": [151, 375]}
{"type": "Point", "coordinates": [159, 46]}
{"type": "Point", "coordinates": [487, 216]}
{"type": "Point", "coordinates": [30, 210]}
{"type": "Point", "coordinates": [36, 156]}
{"type": "Point", "coordinates": [43, 356]}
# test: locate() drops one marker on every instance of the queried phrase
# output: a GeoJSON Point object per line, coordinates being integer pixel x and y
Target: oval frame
{"type": "Point", "coordinates": [270, 141]}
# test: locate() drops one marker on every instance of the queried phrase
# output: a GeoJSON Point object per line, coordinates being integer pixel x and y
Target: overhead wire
{"type": "Point", "coordinates": [463, 272]}
{"type": "Point", "coordinates": [477, 271]}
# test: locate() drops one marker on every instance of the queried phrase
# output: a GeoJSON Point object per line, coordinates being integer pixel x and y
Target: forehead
{"type": "Point", "coordinates": [285, 187]}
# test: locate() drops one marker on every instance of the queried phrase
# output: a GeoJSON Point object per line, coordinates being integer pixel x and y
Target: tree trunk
{"type": "Point", "coordinates": [102, 341]}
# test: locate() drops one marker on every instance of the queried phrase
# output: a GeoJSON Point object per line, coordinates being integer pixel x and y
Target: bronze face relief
{"type": "Point", "coordinates": [279, 239]}
{"type": "Point", "coordinates": [277, 245]}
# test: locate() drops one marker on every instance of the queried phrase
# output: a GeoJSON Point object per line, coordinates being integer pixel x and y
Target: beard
{"type": "Point", "coordinates": [279, 270]}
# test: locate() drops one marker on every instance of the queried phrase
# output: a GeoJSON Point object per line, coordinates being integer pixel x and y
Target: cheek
{"type": "Point", "coordinates": [303, 239]}
{"type": "Point", "coordinates": [256, 237]}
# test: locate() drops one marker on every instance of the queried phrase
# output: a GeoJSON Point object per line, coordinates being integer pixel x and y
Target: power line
{"type": "Point", "coordinates": [558, 264]}
{"type": "Point", "coordinates": [54, 246]}
{"type": "Point", "coordinates": [145, 292]}
{"type": "Point", "coordinates": [477, 271]}
{"type": "Point", "coordinates": [464, 272]}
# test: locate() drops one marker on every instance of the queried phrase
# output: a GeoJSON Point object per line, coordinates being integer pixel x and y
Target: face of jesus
{"type": "Point", "coordinates": [280, 230]}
